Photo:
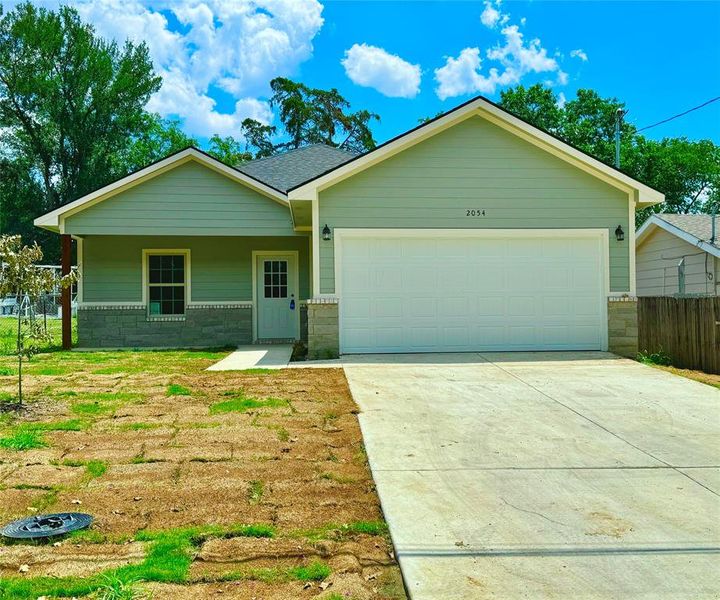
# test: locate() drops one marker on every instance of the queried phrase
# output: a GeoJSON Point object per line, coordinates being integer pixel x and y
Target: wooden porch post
{"type": "Point", "coordinates": [65, 298]}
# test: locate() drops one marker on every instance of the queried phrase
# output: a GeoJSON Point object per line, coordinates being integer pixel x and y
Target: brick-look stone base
{"type": "Point", "coordinates": [129, 327]}
{"type": "Point", "coordinates": [623, 326]}
{"type": "Point", "coordinates": [323, 330]}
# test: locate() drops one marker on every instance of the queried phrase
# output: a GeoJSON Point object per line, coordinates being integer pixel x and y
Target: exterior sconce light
{"type": "Point", "coordinates": [326, 233]}
{"type": "Point", "coordinates": [619, 233]}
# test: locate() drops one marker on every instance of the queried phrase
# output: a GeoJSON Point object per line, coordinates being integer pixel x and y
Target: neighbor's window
{"type": "Point", "coordinates": [166, 284]}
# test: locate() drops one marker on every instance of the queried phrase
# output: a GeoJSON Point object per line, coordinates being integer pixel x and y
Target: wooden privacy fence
{"type": "Point", "coordinates": [686, 329]}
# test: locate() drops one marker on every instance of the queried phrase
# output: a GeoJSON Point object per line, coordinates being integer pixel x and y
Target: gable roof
{"type": "Point", "coordinates": [54, 219]}
{"type": "Point", "coordinates": [289, 169]}
{"type": "Point", "coordinates": [694, 229]}
{"type": "Point", "coordinates": [480, 106]}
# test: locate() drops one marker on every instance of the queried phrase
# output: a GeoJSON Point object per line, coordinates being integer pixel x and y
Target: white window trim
{"type": "Point", "coordinates": [602, 235]}
{"type": "Point", "coordinates": [146, 253]}
{"type": "Point", "coordinates": [255, 297]}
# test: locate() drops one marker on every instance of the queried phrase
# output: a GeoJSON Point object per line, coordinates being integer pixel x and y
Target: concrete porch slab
{"type": "Point", "coordinates": [267, 356]}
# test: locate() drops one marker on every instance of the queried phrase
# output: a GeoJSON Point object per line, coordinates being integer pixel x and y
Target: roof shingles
{"type": "Point", "coordinates": [291, 168]}
{"type": "Point", "coordinates": [699, 226]}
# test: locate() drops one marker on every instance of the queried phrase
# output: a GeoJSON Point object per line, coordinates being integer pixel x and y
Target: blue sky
{"type": "Point", "coordinates": [407, 60]}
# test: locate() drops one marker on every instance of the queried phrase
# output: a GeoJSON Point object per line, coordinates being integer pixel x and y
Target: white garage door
{"type": "Point", "coordinates": [433, 290]}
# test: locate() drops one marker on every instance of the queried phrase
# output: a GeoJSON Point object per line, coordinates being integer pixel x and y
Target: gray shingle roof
{"type": "Point", "coordinates": [699, 226]}
{"type": "Point", "coordinates": [291, 168]}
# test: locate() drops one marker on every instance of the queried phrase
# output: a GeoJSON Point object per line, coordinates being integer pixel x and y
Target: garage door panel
{"type": "Point", "coordinates": [464, 293]}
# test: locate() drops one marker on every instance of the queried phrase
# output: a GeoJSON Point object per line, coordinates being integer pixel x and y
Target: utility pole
{"type": "Point", "coordinates": [619, 114]}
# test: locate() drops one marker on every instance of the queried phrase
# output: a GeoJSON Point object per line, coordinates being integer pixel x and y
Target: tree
{"type": "Point", "coordinates": [258, 136]}
{"type": "Point", "coordinates": [155, 139]}
{"type": "Point", "coordinates": [68, 102]}
{"type": "Point", "coordinates": [21, 277]}
{"type": "Point", "coordinates": [313, 116]}
{"type": "Point", "coordinates": [687, 172]}
{"type": "Point", "coordinates": [228, 150]}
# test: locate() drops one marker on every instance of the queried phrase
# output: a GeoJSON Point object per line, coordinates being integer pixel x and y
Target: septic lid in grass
{"type": "Point", "coordinates": [43, 526]}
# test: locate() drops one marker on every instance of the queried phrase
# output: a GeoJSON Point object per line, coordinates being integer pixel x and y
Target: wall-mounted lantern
{"type": "Point", "coordinates": [619, 233]}
{"type": "Point", "coordinates": [326, 233]}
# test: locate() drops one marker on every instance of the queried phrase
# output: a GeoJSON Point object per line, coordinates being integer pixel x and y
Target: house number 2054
{"type": "Point", "coordinates": [475, 212]}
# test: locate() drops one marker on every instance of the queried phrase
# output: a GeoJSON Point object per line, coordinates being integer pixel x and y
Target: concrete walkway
{"type": "Point", "coordinates": [268, 356]}
{"type": "Point", "coordinates": [563, 475]}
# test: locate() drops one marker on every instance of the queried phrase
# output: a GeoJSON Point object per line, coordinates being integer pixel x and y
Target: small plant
{"type": "Point", "coordinates": [654, 358]}
{"type": "Point", "coordinates": [115, 588]}
{"type": "Point", "coordinates": [22, 277]}
{"type": "Point", "coordinates": [23, 438]}
{"type": "Point", "coordinates": [255, 492]}
{"type": "Point", "coordinates": [175, 389]}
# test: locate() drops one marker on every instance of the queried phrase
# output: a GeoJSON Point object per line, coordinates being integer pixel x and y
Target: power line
{"type": "Point", "coordinates": [681, 114]}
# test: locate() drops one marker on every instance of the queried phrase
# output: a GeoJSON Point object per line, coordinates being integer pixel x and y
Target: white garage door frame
{"type": "Point", "coordinates": [602, 235]}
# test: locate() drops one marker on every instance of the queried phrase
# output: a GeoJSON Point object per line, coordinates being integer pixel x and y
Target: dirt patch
{"type": "Point", "coordinates": [167, 463]}
{"type": "Point", "coordinates": [706, 378]}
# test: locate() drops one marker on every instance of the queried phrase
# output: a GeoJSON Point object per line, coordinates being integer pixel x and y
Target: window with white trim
{"type": "Point", "coordinates": [166, 284]}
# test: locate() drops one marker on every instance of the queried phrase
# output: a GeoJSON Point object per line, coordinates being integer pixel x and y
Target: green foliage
{"type": "Point", "coordinates": [654, 358]}
{"type": "Point", "coordinates": [175, 389]}
{"type": "Point", "coordinates": [167, 560]}
{"type": "Point", "coordinates": [255, 492]}
{"type": "Point", "coordinates": [315, 116]}
{"type": "Point", "coordinates": [115, 588]}
{"type": "Point", "coordinates": [228, 150]}
{"type": "Point", "coordinates": [243, 404]}
{"type": "Point", "coordinates": [686, 171]}
{"type": "Point", "coordinates": [23, 438]}
{"type": "Point", "coordinates": [20, 276]}
{"type": "Point", "coordinates": [69, 101]}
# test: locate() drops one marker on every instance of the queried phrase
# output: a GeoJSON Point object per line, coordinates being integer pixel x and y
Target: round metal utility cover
{"type": "Point", "coordinates": [43, 526]}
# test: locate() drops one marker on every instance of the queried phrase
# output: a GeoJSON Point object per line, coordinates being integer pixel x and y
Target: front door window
{"type": "Point", "coordinates": [276, 278]}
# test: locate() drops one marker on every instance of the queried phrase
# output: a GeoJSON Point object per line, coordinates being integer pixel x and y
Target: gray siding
{"type": "Point", "coordinates": [221, 267]}
{"type": "Point", "coordinates": [190, 199]}
{"type": "Point", "coordinates": [475, 165]}
{"type": "Point", "coordinates": [656, 266]}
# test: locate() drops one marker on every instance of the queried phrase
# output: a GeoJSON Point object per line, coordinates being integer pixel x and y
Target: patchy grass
{"type": "Point", "coordinates": [255, 492]}
{"type": "Point", "coordinates": [706, 378]}
{"type": "Point", "coordinates": [23, 438]}
{"type": "Point", "coordinates": [175, 389]}
{"type": "Point", "coordinates": [654, 358]}
{"type": "Point", "coordinates": [139, 426]}
{"type": "Point", "coordinates": [211, 469]}
{"type": "Point", "coordinates": [8, 335]}
{"type": "Point", "coordinates": [243, 404]}
{"type": "Point", "coordinates": [167, 560]}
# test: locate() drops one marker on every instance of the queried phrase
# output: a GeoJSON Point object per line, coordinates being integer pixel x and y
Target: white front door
{"type": "Point", "coordinates": [424, 291]}
{"type": "Point", "coordinates": [277, 301]}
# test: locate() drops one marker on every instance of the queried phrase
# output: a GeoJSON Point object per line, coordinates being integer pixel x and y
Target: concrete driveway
{"type": "Point", "coordinates": [544, 475]}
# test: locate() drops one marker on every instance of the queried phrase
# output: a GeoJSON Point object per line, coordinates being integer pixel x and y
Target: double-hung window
{"type": "Point", "coordinates": [167, 284]}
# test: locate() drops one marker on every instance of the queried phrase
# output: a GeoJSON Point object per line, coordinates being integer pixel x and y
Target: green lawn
{"type": "Point", "coordinates": [8, 334]}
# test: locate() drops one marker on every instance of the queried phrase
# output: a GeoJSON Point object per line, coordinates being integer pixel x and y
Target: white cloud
{"type": "Point", "coordinates": [579, 53]}
{"type": "Point", "coordinates": [370, 66]}
{"type": "Point", "coordinates": [561, 101]}
{"type": "Point", "coordinates": [490, 16]}
{"type": "Point", "coordinates": [236, 45]}
{"type": "Point", "coordinates": [514, 56]}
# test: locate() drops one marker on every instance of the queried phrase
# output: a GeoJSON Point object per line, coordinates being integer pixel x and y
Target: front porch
{"type": "Point", "coordinates": [191, 291]}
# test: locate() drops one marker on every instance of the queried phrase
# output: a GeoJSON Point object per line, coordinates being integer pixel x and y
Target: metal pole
{"type": "Point", "coordinates": [618, 119]}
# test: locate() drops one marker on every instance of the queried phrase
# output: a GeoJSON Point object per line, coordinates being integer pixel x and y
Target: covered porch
{"type": "Point", "coordinates": [191, 291]}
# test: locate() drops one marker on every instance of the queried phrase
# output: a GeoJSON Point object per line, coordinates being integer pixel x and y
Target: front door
{"type": "Point", "coordinates": [277, 300]}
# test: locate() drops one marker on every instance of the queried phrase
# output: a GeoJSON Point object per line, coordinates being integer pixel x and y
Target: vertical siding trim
{"type": "Point", "coordinates": [631, 245]}
{"type": "Point", "coordinates": [315, 291]}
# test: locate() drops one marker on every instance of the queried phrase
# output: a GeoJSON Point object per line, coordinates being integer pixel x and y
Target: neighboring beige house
{"type": "Point", "coordinates": [670, 248]}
